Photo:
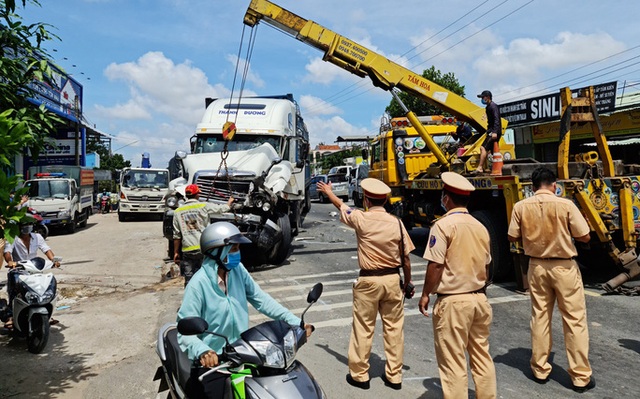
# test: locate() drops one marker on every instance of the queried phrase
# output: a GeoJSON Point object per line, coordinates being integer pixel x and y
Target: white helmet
{"type": "Point", "coordinates": [220, 234]}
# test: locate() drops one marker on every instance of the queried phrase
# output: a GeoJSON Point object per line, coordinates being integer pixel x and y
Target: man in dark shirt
{"type": "Point", "coordinates": [463, 132]}
{"type": "Point", "coordinates": [494, 127]}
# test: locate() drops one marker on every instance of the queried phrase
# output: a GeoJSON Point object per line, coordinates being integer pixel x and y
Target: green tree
{"type": "Point", "coordinates": [22, 124]}
{"type": "Point", "coordinates": [336, 159]}
{"type": "Point", "coordinates": [418, 105]}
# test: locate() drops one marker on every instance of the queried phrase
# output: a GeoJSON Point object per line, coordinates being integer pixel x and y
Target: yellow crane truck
{"type": "Point", "coordinates": [606, 191]}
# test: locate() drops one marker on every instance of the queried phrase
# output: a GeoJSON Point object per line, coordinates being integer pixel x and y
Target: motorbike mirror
{"type": "Point", "coordinates": [192, 326]}
{"type": "Point", "coordinates": [315, 293]}
{"type": "Point", "coordinates": [312, 298]}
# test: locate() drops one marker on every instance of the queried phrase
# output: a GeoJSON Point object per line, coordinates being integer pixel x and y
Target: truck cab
{"type": "Point", "coordinates": [142, 192]}
{"type": "Point", "coordinates": [62, 195]}
{"type": "Point", "coordinates": [264, 168]}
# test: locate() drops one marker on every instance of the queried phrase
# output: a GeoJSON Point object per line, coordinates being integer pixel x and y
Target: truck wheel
{"type": "Point", "coordinates": [85, 218]}
{"type": "Point", "coordinates": [41, 229]}
{"type": "Point", "coordinates": [281, 249]}
{"type": "Point", "coordinates": [501, 267]}
{"type": "Point", "coordinates": [71, 227]}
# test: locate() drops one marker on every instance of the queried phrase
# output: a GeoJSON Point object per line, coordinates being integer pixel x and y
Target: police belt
{"type": "Point", "coordinates": [571, 258]}
{"type": "Point", "coordinates": [379, 272]}
{"type": "Point", "coordinates": [482, 290]}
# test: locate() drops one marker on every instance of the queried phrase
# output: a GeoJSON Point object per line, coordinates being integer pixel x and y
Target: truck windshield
{"type": "Point", "coordinates": [137, 178]}
{"type": "Point", "coordinates": [241, 142]}
{"type": "Point", "coordinates": [48, 189]}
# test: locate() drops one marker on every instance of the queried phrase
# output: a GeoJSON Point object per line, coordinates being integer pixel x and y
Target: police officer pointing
{"type": "Point", "coordinates": [383, 249]}
{"type": "Point", "coordinates": [458, 252]}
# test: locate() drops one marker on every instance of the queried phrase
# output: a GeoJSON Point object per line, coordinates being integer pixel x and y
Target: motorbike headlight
{"type": "Point", "coordinates": [32, 298]}
{"type": "Point", "coordinates": [271, 355]}
{"type": "Point", "coordinates": [258, 202]}
{"type": "Point", "coordinates": [266, 206]}
{"type": "Point", "coordinates": [48, 295]}
{"type": "Point", "coordinates": [171, 201]}
{"type": "Point", "coordinates": [290, 347]}
{"type": "Point", "coordinates": [64, 214]}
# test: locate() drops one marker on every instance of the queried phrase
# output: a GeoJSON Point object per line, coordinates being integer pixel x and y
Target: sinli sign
{"type": "Point", "coordinates": [546, 107]}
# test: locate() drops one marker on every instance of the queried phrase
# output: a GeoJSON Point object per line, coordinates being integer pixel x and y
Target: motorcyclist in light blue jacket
{"type": "Point", "coordinates": [219, 293]}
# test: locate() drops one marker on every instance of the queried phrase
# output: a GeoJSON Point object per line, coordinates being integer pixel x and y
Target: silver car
{"type": "Point", "coordinates": [340, 185]}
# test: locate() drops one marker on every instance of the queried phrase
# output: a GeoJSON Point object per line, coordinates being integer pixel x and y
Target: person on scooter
{"type": "Point", "coordinates": [24, 247]}
{"type": "Point", "coordinates": [219, 293]}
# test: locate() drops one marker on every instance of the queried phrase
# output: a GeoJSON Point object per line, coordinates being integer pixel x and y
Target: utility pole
{"type": "Point", "coordinates": [77, 109]}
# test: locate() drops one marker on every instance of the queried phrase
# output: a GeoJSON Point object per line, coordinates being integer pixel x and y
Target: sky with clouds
{"type": "Point", "coordinates": [147, 66]}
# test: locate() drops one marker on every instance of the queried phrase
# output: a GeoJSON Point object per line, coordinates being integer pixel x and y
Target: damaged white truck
{"type": "Point", "coordinates": [266, 170]}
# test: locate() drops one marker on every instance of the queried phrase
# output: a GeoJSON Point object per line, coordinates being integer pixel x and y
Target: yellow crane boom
{"type": "Point", "coordinates": [361, 61]}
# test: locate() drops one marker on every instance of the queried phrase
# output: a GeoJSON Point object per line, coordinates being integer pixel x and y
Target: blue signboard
{"type": "Point", "coordinates": [61, 96]}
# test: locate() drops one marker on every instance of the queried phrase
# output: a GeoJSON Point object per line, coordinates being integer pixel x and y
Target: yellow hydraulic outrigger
{"type": "Point", "coordinates": [583, 109]}
{"type": "Point", "coordinates": [383, 72]}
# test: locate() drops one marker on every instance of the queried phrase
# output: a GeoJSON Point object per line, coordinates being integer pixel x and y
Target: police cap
{"type": "Point", "coordinates": [457, 184]}
{"type": "Point", "coordinates": [374, 188]}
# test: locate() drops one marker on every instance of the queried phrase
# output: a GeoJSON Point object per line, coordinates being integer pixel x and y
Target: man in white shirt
{"type": "Point", "coordinates": [24, 247]}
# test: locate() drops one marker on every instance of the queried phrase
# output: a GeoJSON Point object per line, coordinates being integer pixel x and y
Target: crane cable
{"type": "Point", "coordinates": [231, 127]}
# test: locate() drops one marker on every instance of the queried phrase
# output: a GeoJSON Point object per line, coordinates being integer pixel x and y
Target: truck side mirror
{"type": "Point", "coordinates": [365, 154]}
{"type": "Point", "coordinates": [306, 147]}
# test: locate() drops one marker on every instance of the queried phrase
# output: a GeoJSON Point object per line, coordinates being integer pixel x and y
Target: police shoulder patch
{"type": "Point", "coordinates": [432, 241]}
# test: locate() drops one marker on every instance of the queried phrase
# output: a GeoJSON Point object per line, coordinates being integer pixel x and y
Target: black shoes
{"type": "Point", "coordinates": [590, 385]}
{"type": "Point", "coordinates": [540, 381]}
{"type": "Point", "coordinates": [358, 384]}
{"type": "Point", "coordinates": [397, 386]}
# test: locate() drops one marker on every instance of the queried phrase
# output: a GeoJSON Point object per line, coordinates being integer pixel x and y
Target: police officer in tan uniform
{"type": "Point", "coordinates": [380, 238]}
{"type": "Point", "coordinates": [458, 252]}
{"type": "Point", "coordinates": [546, 224]}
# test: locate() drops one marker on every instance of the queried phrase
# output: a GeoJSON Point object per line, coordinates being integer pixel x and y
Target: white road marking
{"type": "Point", "coordinates": [345, 321]}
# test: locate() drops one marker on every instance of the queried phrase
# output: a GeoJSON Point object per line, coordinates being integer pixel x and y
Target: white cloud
{"type": "Point", "coordinates": [327, 130]}
{"type": "Point", "coordinates": [526, 61]}
{"type": "Point", "coordinates": [174, 90]}
{"type": "Point", "coordinates": [323, 72]}
{"type": "Point", "coordinates": [241, 65]}
{"type": "Point", "coordinates": [312, 106]}
{"type": "Point", "coordinates": [130, 110]}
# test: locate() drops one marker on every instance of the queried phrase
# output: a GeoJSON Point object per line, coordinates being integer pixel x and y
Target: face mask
{"type": "Point", "coordinates": [233, 260]}
{"type": "Point", "coordinates": [26, 229]}
{"type": "Point", "coordinates": [484, 102]}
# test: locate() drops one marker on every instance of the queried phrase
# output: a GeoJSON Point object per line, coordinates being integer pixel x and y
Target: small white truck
{"type": "Point", "coordinates": [142, 192]}
{"type": "Point", "coordinates": [62, 195]}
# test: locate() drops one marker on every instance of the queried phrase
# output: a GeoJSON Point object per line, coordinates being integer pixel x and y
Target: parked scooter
{"type": "Point", "coordinates": [261, 363]}
{"type": "Point", "coordinates": [105, 203]}
{"type": "Point", "coordinates": [40, 225]}
{"type": "Point", "coordinates": [34, 301]}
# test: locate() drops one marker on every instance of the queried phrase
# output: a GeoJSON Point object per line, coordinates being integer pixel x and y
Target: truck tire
{"type": "Point", "coordinates": [280, 251]}
{"type": "Point", "coordinates": [71, 227]}
{"type": "Point", "coordinates": [41, 229]}
{"type": "Point", "coordinates": [85, 218]}
{"type": "Point", "coordinates": [501, 267]}
{"type": "Point", "coordinates": [357, 202]}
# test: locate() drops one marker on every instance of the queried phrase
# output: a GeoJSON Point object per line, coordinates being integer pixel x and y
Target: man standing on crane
{"type": "Point", "coordinates": [494, 127]}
